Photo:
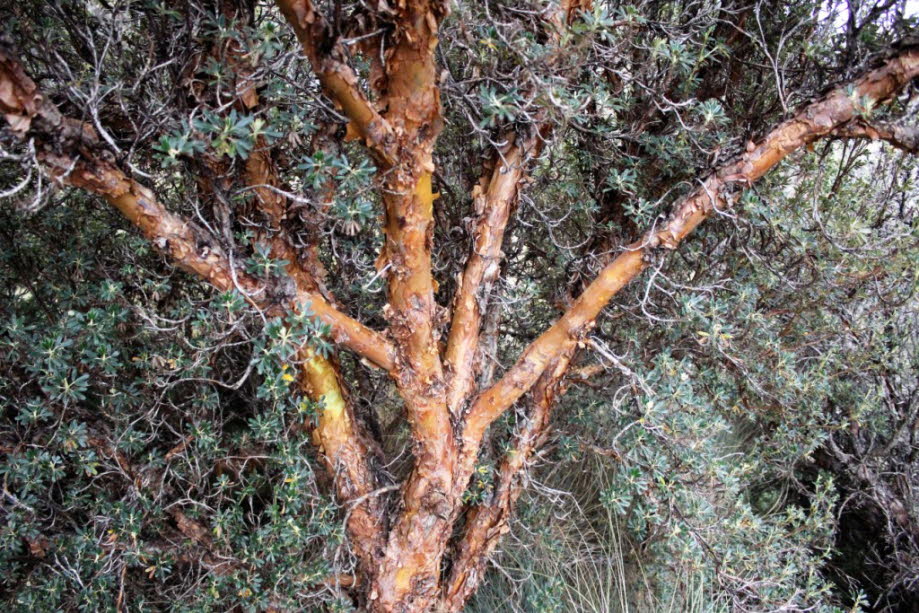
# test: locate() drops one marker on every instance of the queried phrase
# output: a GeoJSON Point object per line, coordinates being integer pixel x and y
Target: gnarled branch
{"type": "Point", "coordinates": [329, 60]}
{"type": "Point", "coordinates": [412, 100]}
{"type": "Point", "coordinates": [493, 198]}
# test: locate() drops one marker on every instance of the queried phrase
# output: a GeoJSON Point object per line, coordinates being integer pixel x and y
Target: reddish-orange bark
{"type": "Point", "coordinates": [410, 568]}
{"type": "Point", "coordinates": [488, 522]}
{"type": "Point", "coordinates": [75, 161]}
{"type": "Point", "coordinates": [494, 198]}
{"type": "Point", "coordinates": [403, 567]}
{"type": "Point", "coordinates": [338, 436]}
{"type": "Point", "coordinates": [347, 453]}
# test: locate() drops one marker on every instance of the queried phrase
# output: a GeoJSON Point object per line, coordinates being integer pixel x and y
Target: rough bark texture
{"type": "Point", "coordinates": [402, 568]}
{"type": "Point", "coordinates": [901, 137]}
{"type": "Point", "coordinates": [409, 576]}
{"type": "Point", "coordinates": [338, 436]}
{"type": "Point", "coordinates": [487, 523]}
{"type": "Point", "coordinates": [494, 198]}
{"type": "Point", "coordinates": [75, 156]}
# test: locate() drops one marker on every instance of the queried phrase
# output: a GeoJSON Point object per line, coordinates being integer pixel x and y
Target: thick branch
{"type": "Point", "coordinates": [329, 60]}
{"type": "Point", "coordinates": [412, 100]}
{"type": "Point", "coordinates": [304, 269]}
{"type": "Point", "coordinates": [74, 155]}
{"type": "Point", "coordinates": [71, 150]}
{"type": "Point", "coordinates": [817, 120]}
{"type": "Point", "coordinates": [347, 453]}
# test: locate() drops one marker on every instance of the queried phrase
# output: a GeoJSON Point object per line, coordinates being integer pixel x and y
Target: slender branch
{"type": "Point", "coordinates": [901, 137]}
{"type": "Point", "coordinates": [329, 59]}
{"type": "Point", "coordinates": [493, 203]}
{"type": "Point", "coordinates": [487, 523]}
{"type": "Point", "coordinates": [341, 440]}
{"type": "Point", "coordinates": [819, 119]}
{"type": "Point", "coordinates": [74, 155]}
{"type": "Point", "coordinates": [494, 197]}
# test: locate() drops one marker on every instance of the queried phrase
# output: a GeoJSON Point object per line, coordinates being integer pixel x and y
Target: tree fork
{"type": "Point", "coordinates": [338, 435]}
{"type": "Point", "coordinates": [822, 118]}
{"type": "Point", "coordinates": [409, 573]}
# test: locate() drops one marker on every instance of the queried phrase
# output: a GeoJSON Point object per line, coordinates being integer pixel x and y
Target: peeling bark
{"type": "Point", "coordinates": [901, 137]}
{"type": "Point", "coordinates": [347, 453]}
{"type": "Point", "coordinates": [338, 79]}
{"type": "Point", "coordinates": [403, 568]}
{"type": "Point", "coordinates": [487, 523]}
{"type": "Point", "coordinates": [338, 436]}
{"type": "Point", "coordinates": [410, 568]}
{"type": "Point", "coordinates": [493, 203]}
{"type": "Point", "coordinates": [494, 199]}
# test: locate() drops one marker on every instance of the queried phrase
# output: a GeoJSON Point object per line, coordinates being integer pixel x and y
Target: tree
{"type": "Point", "coordinates": [200, 126]}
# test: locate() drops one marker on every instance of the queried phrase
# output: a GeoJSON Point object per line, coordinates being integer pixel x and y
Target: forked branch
{"type": "Point", "coordinates": [817, 120]}
{"type": "Point", "coordinates": [71, 151]}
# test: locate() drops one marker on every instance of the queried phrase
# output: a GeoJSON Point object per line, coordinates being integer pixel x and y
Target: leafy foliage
{"type": "Point", "coordinates": [749, 427]}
